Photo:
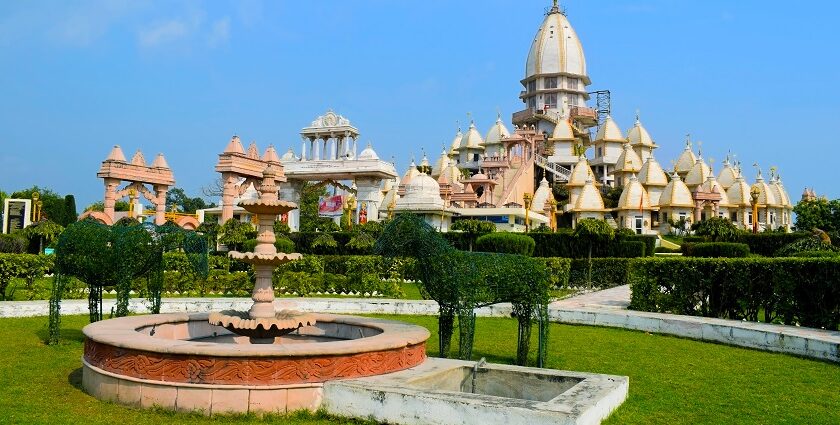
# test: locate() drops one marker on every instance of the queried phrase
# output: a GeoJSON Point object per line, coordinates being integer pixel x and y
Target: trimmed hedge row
{"type": "Point", "coordinates": [563, 244]}
{"type": "Point", "coordinates": [766, 244]}
{"type": "Point", "coordinates": [787, 290]}
{"type": "Point", "coordinates": [506, 243]}
{"type": "Point", "coordinates": [716, 249]}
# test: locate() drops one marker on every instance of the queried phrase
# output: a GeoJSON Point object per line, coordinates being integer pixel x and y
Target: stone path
{"type": "Point", "coordinates": [613, 298]}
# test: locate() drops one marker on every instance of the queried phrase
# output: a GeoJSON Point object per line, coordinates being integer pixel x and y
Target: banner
{"type": "Point", "coordinates": [330, 206]}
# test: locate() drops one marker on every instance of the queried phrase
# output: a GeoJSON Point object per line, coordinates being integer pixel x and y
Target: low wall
{"type": "Point", "coordinates": [807, 342]}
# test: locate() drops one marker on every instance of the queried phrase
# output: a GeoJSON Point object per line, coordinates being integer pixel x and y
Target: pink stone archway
{"type": "Point", "coordinates": [115, 170]}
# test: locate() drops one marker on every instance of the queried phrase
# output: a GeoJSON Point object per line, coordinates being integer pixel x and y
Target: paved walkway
{"type": "Point", "coordinates": [613, 298]}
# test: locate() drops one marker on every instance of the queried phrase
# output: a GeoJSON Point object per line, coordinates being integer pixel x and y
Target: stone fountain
{"type": "Point", "coordinates": [262, 323]}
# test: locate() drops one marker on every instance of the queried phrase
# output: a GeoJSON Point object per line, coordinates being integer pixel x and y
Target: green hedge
{"type": "Point", "coordinates": [606, 272]}
{"type": "Point", "coordinates": [14, 243]}
{"type": "Point", "coordinates": [787, 290]}
{"type": "Point", "coordinates": [506, 243]}
{"type": "Point", "coordinates": [26, 266]}
{"type": "Point", "coordinates": [558, 271]}
{"type": "Point", "coordinates": [766, 244]}
{"type": "Point", "coordinates": [716, 249]}
{"type": "Point", "coordinates": [564, 244]}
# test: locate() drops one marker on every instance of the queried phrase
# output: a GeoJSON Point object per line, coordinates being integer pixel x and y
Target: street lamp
{"type": "Point", "coordinates": [754, 194]}
{"type": "Point", "coordinates": [528, 198]}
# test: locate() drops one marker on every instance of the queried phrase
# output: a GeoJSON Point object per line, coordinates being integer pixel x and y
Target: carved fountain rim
{"type": "Point", "coordinates": [124, 332]}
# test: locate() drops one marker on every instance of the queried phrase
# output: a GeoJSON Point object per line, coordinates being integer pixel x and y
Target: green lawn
{"type": "Point", "coordinates": [672, 380]}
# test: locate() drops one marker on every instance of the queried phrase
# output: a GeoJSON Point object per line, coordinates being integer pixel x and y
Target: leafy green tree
{"type": "Point", "coordinates": [310, 221]}
{"type": "Point", "coordinates": [234, 233]}
{"type": "Point", "coordinates": [119, 205]}
{"type": "Point", "coordinates": [717, 229]}
{"type": "Point", "coordinates": [818, 214]}
{"type": "Point", "coordinates": [178, 198]}
{"type": "Point", "coordinates": [44, 231]}
{"type": "Point", "coordinates": [593, 231]}
{"type": "Point", "coordinates": [474, 226]}
{"type": "Point", "coordinates": [612, 196]}
{"type": "Point", "coordinates": [70, 214]}
{"type": "Point", "coordinates": [52, 205]}
{"type": "Point", "coordinates": [210, 230]}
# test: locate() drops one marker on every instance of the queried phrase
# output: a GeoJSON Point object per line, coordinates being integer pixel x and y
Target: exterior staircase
{"type": "Point", "coordinates": [509, 182]}
{"type": "Point", "coordinates": [559, 171]}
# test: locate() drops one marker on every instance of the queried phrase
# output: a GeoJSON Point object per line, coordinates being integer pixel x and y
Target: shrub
{"type": "Point", "coordinates": [558, 271]}
{"type": "Point", "coordinates": [716, 249]}
{"type": "Point", "coordinates": [787, 290]}
{"type": "Point", "coordinates": [473, 226]}
{"type": "Point", "coordinates": [810, 243]}
{"type": "Point", "coordinates": [606, 272]}
{"type": "Point", "coordinates": [506, 243]}
{"type": "Point", "coordinates": [766, 244]}
{"type": "Point", "coordinates": [817, 254]}
{"type": "Point", "coordinates": [717, 229]}
{"type": "Point", "coordinates": [25, 266]}
{"type": "Point", "coordinates": [694, 239]}
{"type": "Point", "coordinates": [14, 243]}
{"type": "Point", "coordinates": [629, 249]}
{"type": "Point", "coordinates": [648, 240]}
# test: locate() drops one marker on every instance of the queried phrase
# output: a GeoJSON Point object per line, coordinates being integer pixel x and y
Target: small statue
{"type": "Point", "coordinates": [363, 213]}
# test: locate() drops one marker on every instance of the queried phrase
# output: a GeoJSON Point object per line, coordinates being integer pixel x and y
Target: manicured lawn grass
{"type": "Point", "coordinates": [672, 380]}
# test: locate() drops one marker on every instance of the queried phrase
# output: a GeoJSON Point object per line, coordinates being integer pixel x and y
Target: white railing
{"type": "Point", "coordinates": [553, 167]}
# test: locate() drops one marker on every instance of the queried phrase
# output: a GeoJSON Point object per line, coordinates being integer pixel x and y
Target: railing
{"type": "Point", "coordinates": [553, 167]}
{"type": "Point", "coordinates": [583, 112]}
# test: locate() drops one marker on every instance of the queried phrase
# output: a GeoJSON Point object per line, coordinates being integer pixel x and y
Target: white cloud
{"type": "Point", "coordinates": [219, 32]}
{"type": "Point", "coordinates": [163, 33]}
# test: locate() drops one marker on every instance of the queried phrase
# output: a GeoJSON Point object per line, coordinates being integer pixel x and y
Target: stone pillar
{"type": "Point", "coordinates": [355, 154]}
{"type": "Point", "coordinates": [333, 148]}
{"type": "Point", "coordinates": [368, 191]}
{"type": "Point", "coordinates": [110, 198]}
{"type": "Point", "coordinates": [160, 204]}
{"type": "Point", "coordinates": [228, 195]}
{"type": "Point", "coordinates": [303, 150]}
{"type": "Point", "coordinates": [290, 191]}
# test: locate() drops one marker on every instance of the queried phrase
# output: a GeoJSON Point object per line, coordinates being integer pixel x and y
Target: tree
{"type": "Point", "coordinates": [52, 205]}
{"type": "Point", "coordinates": [234, 233]}
{"type": "Point", "coordinates": [818, 214]}
{"type": "Point", "coordinates": [45, 230]}
{"type": "Point", "coordinates": [70, 215]}
{"type": "Point", "coordinates": [178, 198]}
{"type": "Point", "coordinates": [612, 196]}
{"type": "Point", "coordinates": [119, 205]}
{"type": "Point", "coordinates": [474, 226]}
{"type": "Point", "coordinates": [717, 229]}
{"type": "Point", "coordinates": [310, 221]}
{"type": "Point", "coordinates": [593, 231]}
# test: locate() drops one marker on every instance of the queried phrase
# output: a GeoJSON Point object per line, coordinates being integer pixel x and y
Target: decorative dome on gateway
{"type": "Point", "coordinates": [556, 48]}
{"type": "Point", "coordinates": [609, 131]}
{"type": "Point", "coordinates": [496, 133]}
{"type": "Point", "coordinates": [368, 153]}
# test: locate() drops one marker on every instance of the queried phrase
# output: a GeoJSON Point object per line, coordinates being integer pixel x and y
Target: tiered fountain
{"type": "Point", "coordinates": [262, 323]}
{"type": "Point", "coordinates": [243, 360]}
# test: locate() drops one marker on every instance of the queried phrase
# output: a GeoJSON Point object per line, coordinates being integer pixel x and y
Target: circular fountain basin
{"type": "Point", "coordinates": [182, 362]}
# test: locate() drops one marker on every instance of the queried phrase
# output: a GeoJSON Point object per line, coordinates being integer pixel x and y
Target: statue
{"type": "Point", "coordinates": [363, 213]}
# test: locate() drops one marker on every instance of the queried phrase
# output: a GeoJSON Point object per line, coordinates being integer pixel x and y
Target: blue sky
{"type": "Point", "coordinates": [180, 77]}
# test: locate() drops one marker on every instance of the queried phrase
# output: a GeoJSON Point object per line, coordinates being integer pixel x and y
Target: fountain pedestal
{"type": "Point", "coordinates": [261, 323]}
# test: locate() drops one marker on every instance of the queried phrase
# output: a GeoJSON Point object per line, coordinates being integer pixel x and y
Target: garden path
{"type": "Point", "coordinates": [613, 298]}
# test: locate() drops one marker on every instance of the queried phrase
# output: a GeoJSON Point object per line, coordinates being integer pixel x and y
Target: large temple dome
{"type": "Point", "coordinates": [556, 49]}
